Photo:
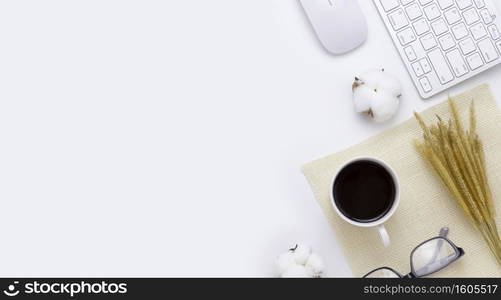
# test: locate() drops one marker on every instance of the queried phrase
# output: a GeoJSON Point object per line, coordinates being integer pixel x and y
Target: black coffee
{"type": "Point", "coordinates": [364, 191]}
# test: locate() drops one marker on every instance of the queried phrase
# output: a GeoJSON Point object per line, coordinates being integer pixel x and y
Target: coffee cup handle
{"type": "Point", "coordinates": [383, 234]}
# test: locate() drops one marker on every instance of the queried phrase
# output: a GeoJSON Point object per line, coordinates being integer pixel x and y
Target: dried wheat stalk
{"type": "Point", "coordinates": [457, 156]}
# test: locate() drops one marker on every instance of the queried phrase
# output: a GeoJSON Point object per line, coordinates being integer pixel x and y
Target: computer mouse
{"type": "Point", "coordinates": [340, 25]}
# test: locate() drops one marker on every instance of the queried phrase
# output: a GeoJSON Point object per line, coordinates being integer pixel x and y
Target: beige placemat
{"type": "Point", "coordinates": [425, 206]}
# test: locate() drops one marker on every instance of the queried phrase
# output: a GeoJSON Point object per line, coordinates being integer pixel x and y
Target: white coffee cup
{"type": "Point", "coordinates": [378, 224]}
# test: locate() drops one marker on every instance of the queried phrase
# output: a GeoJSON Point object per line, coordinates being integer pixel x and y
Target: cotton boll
{"type": "Point", "coordinates": [364, 95]}
{"type": "Point", "coordinates": [376, 94]}
{"type": "Point", "coordinates": [299, 261]}
{"type": "Point", "coordinates": [315, 265]}
{"type": "Point", "coordinates": [296, 271]}
{"type": "Point", "coordinates": [391, 85]}
{"type": "Point", "coordinates": [284, 261]}
{"type": "Point", "coordinates": [384, 106]}
{"type": "Point", "coordinates": [372, 77]}
{"type": "Point", "coordinates": [301, 253]}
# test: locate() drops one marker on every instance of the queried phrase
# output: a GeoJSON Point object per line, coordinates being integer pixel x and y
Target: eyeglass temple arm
{"type": "Point", "coordinates": [444, 231]}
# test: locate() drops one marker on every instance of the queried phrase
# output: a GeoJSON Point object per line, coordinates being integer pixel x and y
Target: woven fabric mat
{"type": "Point", "coordinates": [425, 205]}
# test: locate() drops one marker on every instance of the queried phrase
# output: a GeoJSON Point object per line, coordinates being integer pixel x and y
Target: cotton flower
{"type": "Point", "coordinates": [376, 94]}
{"type": "Point", "coordinates": [284, 261]}
{"type": "Point", "coordinates": [315, 265]}
{"type": "Point", "coordinates": [299, 261]}
{"type": "Point", "coordinates": [296, 271]}
{"type": "Point", "coordinates": [301, 253]}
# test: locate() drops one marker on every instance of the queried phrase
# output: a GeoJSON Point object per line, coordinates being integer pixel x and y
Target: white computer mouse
{"type": "Point", "coordinates": [339, 24]}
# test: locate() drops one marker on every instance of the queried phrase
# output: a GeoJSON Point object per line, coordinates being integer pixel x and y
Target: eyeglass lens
{"type": "Point", "coordinates": [382, 273]}
{"type": "Point", "coordinates": [432, 256]}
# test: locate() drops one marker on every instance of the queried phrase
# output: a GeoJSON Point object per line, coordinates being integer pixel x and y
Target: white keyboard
{"type": "Point", "coordinates": [443, 42]}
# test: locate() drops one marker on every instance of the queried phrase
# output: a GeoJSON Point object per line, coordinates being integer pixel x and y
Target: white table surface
{"type": "Point", "coordinates": [165, 138]}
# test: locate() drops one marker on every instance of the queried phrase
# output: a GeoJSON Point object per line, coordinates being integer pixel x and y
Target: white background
{"type": "Point", "coordinates": [165, 138]}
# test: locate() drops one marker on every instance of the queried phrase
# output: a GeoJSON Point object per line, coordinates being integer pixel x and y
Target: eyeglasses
{"type": "Point", "coordinates": [427, 258]}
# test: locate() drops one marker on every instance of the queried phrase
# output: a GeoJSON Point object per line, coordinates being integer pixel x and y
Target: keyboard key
{"type": "Point", "coordinates": [493, 30]}
{"type": "Point", "coordinates": [418, 70]}
{"type": "Point", "coordinates": [452, 15]}
{"type": "Point", "coordinates": [432, 12]}
{"type": "Point", "coordinates": [421, 26]}
{"type": "Point", "coordinates": [486, 16]}
{"type": "Point", "coordinates": [413, 11]}
{"type": "Point", "coordinates": [389, 4]}
{"type": "Point", "coordinates": [462, 4]}
{"type": "Point", "coordinates": [411, 54]}
{"type": "Point", "coordinates": [405, 2]}
{"type": "Point", "coordinates": [425, 84]}
{"type": "Point", "coordinates": [499, 45]}
{"type": "Point", "coordinates": [467, 46]}
{"type": "Point", "coordinates": [398, 19]}
{"type": "Point", "coordinates": [445, 3]}
{"type": "Point", "coordinates": [457, 62]}
{"type": "Point", "coordinates": [475, 61]}
{"type": "Point", "coordinates": [440, 65]}
{"type": "Point", "coordinates": [439, 26]}
{"type": "Point", "coordinates": [479, 3]}
{"type": "Point", "coordinates": [478, 31]}
{"type": "Point", "coordinates": [424, 2]}
{"type": "Point", "coordinates": [425, 65]}
{"type": "Point", "coordinates": [459, 31]}
{"type": "Point", "coordinates": [406, 36]}
{"type": "Point", "coordinates": [447, 42]}
{"type": "Point", "coordinates": [471, 16]}
{"type": "Point", "coordinates": [428, 41]}
{"type": "Point", "coordinates": [488, 51]}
